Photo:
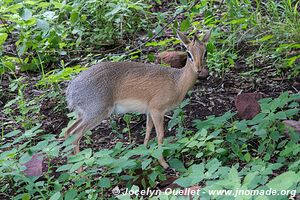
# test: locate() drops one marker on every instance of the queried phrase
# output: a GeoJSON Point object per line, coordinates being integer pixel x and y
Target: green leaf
{"type": "Point", "coordinates": [212, 166]}
{"type": "Point", "coordinates": [26, 14]}
{"type": "Point", "coordinates": [42, 24]}
{"type": "Point", "coordinates": [265, 38]}
{"type": "Point", "coordinates": [292, 60]}
{"type": "Point", "coordinates": [106, 160]}
{"type": "Point", "coordinates": [74, 17]}
{"type": "Point", "coordinates": [291, 112]}
{"type": "Point", "coordinates": [257, 119]}
{"type": "Point", "coordinates": [3, 37]}
{"type": "Point", "coordinates": [160, 43]}
{"type": "Point", "coordinates": [114, 11]}
{"type": "Point", "coordinates": [189, 180]}
{"type": "Point", "coordinates": [247, 157]}
{"type": "Point", "coordinates": [185, 25]}
{"type": "Point", "coordinates": [211, 146]}
{"type": "Point", "coordinates": [177, 165]}
{"type": "Point", "coordinates": [55, 196]}
{"type": "Point", "coordinates": [76, 166]}
{"type": "Point", "coordinates": [12, 133]}
{"type": "Point", "coordinates": [105, 182]}
{"type": "Point", "coordinates": [87, 153]}
{"type": "Point", "coordinates": [199, 155]}
{"type": "Point", "coordinates": [193, 144]}
{"type": "Point", "coordinates": [249, 180]}
{"type": "Point", "coordinates": [64, 167]}
{"type": "Point", "coordinates": [127, 118]}
{"type": "Point", "coordinates": [25, 158]}
{"type": "Point", "coordinates": [238, 21]}
{"type": "Point", "coordinates": [284, 181]}
{"type": "Point", "coordinates": [233, 178]}
{"type": "Point", "coordinates": [280, 115]}
{"type": "Point", "coordinates": [22, 49]}
{"type": "Point", "coordinates": [25, 196]}
{"type": "Point", "coordinates": [49, 15]}
{"type": "Point", "coordinates": [70, 194]}
{"type": "Point", "coordinates": [157, 153]}
{"type": "Point", "coordinates": [146, 163]}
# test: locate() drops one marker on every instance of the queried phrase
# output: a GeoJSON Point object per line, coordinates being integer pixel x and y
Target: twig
{"type": "Point", "coordinates": [8, 31]}
{"type": "Point", "coordinates": [5, 25]}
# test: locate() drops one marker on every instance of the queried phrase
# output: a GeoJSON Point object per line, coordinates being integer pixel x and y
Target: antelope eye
{"type": "Point", "coordinates": [190, 56]}
{"type": "Point", "coordinates": [205, 55]}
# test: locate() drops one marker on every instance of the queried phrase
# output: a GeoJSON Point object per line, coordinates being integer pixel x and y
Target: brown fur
{"type": "Point", "coordinates": [130, 86]}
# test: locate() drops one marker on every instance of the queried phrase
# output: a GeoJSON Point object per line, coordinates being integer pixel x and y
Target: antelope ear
{"type": "Point", "coordinates": [196, 39]}
{"type": "Point", "coordinates": [207, 36]}
{"type": "Point", "coordinates": [185, 40]}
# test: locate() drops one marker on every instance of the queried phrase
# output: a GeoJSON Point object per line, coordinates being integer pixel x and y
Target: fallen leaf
{"type": "Point", "coordinates": [247, 105]}
{"type": "Point", "coordinates": [34, 167]}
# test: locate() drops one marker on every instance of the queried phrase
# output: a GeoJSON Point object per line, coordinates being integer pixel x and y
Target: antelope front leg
{"type": "Point", "coordinates": [149, 126]}
{"type": "Point", "coordinates": [158, 120]}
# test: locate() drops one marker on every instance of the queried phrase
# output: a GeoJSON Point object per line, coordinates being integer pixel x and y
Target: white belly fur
{"type": "Point", "coordinates": [130, 105]}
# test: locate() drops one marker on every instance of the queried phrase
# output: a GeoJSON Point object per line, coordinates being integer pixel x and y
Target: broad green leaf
{"type": "Point", "coordinates": [238, 21]}
{"type": "Point", "coordinates": [185, 25]}
{"type": "Point", "coordinates": [76, 166]}
{"type": "Point", "coordinates": [26, 14]}
{"type": "Point", "coordinates": [292, 60]}
{"type": "Point", "coordinates": [25, 158]}
{"type": "Point", "coordinates": [212, 166]}
{"type": "Point", "coordinates": [114, 11]}
{"type": "Point", "coordinates": [14, 7]}
{"type": "Point", "coordinates": [25, 196]}
{"type": "Point", "coordinates": [105, 182]}
{"type": "Point", "coordinates": [76, 158]}
{"type": "Point", "coordinates": [257, 119]}
{"type": "Point", "coordinates": [157, 153]}
{"type": "Point", "coordinates": [247, 157]}
{"type": "Point", "coordinates": [106, 160]}
{"type": "Point", "coordinates": [249, 181]}
{"type": "Point", "coordinates": [55, 196]}
{"type": "Point", "coordinates": [103, 152]}
{"type": "Point", "coordinates": [146, 163]}
{"type": "Point", "coordinates": [12, 133]}
{"type": "Point", "coordinates": [190, 180]}
{"type": "Point", "coordinates": [177, 165]}
{"type": "Point", "coordinates": [70, 194]}
{"type": "Point", "coordinates": [233, 177]}
{"type": "Point", "coordinates": [3, 37]}
{"type": "Point", "coordinates": [265, 38]}
{"type": "Point", "coordinates": [211, 146]}
{"type": "Point", "coordinates": [49, 15]}
{"type": "Point", "coordinates": [74, 17]}
{"type": "Point", "coordinates": [22, 49]}
{"type": "Point", "coordinates": [42, 24]}
{"type": "Point", "coordinates": [64, 167]}
{"type": "Point", "coordinates": [291, 112]}
{"type": "Point", "coordinates": [284, 181]}
{"type": "Point", "coordinates": [160, 43]}
{"type": "Point", "coordinates": [280, 115]}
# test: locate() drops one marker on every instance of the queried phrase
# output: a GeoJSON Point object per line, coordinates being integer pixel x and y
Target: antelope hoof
{"type": "Point", "coordinates": [163, 163]}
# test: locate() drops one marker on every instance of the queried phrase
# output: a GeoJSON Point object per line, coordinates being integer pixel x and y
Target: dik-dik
{"type": "Point", "coordinates": [121, 87]}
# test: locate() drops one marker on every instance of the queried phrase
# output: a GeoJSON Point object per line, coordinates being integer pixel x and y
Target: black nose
{"type": "Point", "coordinates": [203, 73]}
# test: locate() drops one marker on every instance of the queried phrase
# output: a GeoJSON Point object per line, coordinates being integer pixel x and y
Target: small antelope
{"type": "Point", "coordinates": [123, 87]}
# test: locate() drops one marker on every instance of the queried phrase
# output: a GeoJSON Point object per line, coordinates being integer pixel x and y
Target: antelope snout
{"type": "Point", "coordinates": [203, 73]}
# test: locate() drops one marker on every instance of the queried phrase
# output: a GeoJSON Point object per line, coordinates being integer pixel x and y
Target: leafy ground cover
{"type": "Point", "coordinates": [254, 48]}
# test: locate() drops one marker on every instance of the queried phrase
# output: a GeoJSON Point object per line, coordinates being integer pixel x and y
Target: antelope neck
{"type": "Point", "coordinates": [187, 79]}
